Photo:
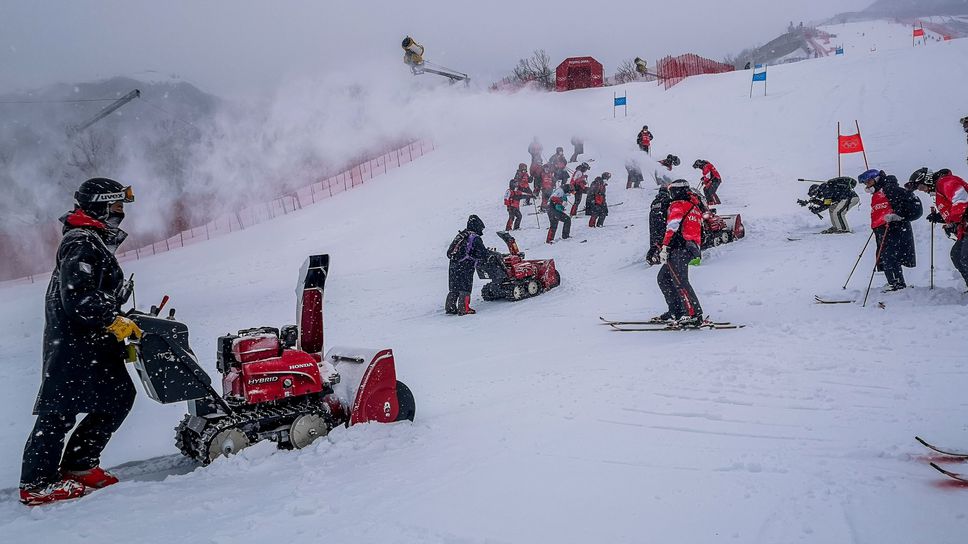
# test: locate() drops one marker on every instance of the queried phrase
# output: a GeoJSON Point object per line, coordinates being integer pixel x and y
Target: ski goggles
{"type": "Point", "coordinates": [124, 195]}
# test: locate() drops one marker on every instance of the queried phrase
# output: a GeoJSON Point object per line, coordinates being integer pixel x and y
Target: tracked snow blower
{"type": "Point", "coordinates": [514, 278]}
{"type": "Point", "coordinates": [276, 383]}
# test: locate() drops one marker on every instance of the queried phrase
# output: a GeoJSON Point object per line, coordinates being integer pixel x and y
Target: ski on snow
{"type": "Point", "coordinates": [828, 301]}
{"type": "Point", "coordinates": [953, 475]}
{"type": "Point", "coordinates": [663, 323]}
{"type": "Point", "coordinates": [949, 453]}
{"type": "Point", "coordinates": [657, 328]}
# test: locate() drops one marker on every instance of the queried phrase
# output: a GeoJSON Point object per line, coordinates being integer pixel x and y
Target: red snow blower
{"type": "Point", "coordinates": [514, 278]}
{"type": "Point", "coordinates": [721, 229]}
{"type": "Point", "coordinates": [276, 383]}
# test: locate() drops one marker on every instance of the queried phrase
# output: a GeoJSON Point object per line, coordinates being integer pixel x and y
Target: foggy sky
{"type": "Point", "coordinates": [233, 48]}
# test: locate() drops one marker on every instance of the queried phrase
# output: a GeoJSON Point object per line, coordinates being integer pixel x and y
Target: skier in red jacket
{"type": "Point", "coordinates": [512, 199]}
{"type": "Point", "coordinates": [644, 139]}
{"type": "Point", "coordinates": [547, 185]}
{"type": "Point", "coordinates": [522, 180]}
{"type": "Point", "coordinates": [579, 183]}
{"type": "Point", "coordinates": [710, 181]}
{"type": "Point", "coordinates": [951, 200]}
{"type": "Point", "coordinates": [681, 243]}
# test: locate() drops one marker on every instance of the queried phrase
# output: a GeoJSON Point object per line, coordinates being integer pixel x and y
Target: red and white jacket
{"type": "Point", "coordinates": [684, 218]}
{"type": "Point", "coordinates": [880, 208]}
{"type": "Point", "coordinates": [709, 174]}
{"type": "Point", "coordinates": [951, 199]}
{"type": "Point", "coordinates": [579, 180]}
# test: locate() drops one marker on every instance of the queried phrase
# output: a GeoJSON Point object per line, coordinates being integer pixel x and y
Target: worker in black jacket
{"type": "Point", "coordinates": [464, 253]}
{"type": "Point", "coordinates": [892, 210]}
{"type": "Point", "coordinates": [83, 350]}
{"type": "Point", "coordinates": [836, 195]}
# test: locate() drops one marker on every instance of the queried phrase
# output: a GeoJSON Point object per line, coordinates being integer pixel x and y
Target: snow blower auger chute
{"type": "Point", "coordinates": [276, 383]}
{"type": "Point", "coordinates": [514, 278]}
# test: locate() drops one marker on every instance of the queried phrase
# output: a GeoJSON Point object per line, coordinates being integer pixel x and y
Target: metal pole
{"type": "Point", "coordinates": [932, 249]}
{"type": "Point", "coordinates": [839, 173]}
{"type": "Point", "coordinates": [877, 259]}
{"type": "Point", "coordinates": [862, 150]}
{"type": "Point", "coordinates": [858, 260]}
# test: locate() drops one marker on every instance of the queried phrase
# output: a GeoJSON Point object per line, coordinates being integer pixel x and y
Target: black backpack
{"type": "Point", "coordinates": [458, 248]}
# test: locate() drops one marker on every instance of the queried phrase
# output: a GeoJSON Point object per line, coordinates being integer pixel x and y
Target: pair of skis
{"type": "Point", "coordinates": [652, 326]}
{"type": "Point", "coordinates": [949, 453]}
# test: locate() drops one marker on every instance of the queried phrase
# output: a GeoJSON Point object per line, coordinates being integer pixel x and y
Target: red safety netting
{"type": "Point", "coordinates": [672, 70]}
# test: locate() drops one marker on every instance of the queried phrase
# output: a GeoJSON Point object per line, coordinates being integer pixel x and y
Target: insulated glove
{"type": "Point", "coordinates": [891, 217]}
{"type": "Point", "coordinates": [935, 217]}
{"type": "Point", "coordinates": [123, 328]}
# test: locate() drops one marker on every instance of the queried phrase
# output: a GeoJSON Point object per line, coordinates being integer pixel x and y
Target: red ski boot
{"type": "Point", "coordinates": [95, 478]}
{"type": "Point", "coordinates": [464, 308]}
{"type": "Point", "coordinates": [58, 491]}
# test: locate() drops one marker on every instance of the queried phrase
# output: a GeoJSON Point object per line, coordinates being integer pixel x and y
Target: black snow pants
{"type": "Point", "coordinates": [43, 461]}
{"type": "Point", "coordinates": [554, 217]}
{"type": "Point", "coordinates": [574, 207]}
{"type": "Point", "coordinates": [712, 198]}
{"type": "Point", "coordinates": [514, 218]}
{"type": "Point", "coordinates": [674, 283]}
{"type": "Point", "coordinates": [959, 257]}
{"type": "Point", "coordinates": [889, 260]}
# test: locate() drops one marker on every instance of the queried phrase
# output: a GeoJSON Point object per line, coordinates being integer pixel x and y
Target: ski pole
{"type": "Point", "coordinates": [877, 259]}
{"type": "Point", "coordinates": [811, 180]}
{"type": "Point", "coordinates": [537, 215]}
{"type": "Point", "coordinates": [858, 260]}
{"type": "Point", "coordinates": [932, 249]}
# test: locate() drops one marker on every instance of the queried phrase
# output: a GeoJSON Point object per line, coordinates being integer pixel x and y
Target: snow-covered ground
{"type": "Point", "coordinates": [534, 422]}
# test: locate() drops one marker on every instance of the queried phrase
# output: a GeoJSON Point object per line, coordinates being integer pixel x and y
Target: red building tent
{"type": "Point", "coordinates": [579, 73]}
{"type": "Point", "coordinates": [672, 70]}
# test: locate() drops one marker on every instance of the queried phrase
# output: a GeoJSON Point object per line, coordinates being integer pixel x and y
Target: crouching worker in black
{"type": "Point", "coordinates": [84, 352]}
{"type": "Point", "coordinates": [836, 195]}
{"type": "Point", "coordinates": [892, 210]}
{"type": "Point", "coordinates": [464, 253]}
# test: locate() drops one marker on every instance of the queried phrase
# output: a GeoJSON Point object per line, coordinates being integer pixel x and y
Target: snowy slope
{"type": "Point", "coordinates": [535, 423]}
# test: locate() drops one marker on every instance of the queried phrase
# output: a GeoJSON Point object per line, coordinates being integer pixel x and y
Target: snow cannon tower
{"type": "Point", "coordinates": [413, 56]}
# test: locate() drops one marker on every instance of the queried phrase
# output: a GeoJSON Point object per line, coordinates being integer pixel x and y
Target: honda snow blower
{"type": "Point", "coordinates": [514, 278]}
{"type": "Point", "coordinates": [276, 383]}
{"type": "Point", "coordinates": [721, 229]}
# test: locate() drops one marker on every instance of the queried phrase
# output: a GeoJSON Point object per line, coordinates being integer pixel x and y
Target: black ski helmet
{"type": "Point", "coordinates": [96, 195]}
{"type": "Point", "coordinates": [672, 160]}
{"type": "Point", "coordinates": [522, 166]}
{"type": "Point", "coordinates": [606, 176]}
{"type": "Point", "coordinates": [475, 225]}
{"type": "Point", "coordinates": [559, 150]}
{"type": "Point", "coordinates": [699, 163]}
{"type": "Point", "coordinates": [679, 189]}
{"type": "Point", "coordinates": [813, 190]}
{"type": "Point", "coordinates": [583, 167]}
{"type": "Point", "coordinates": [938, 175]}
{"type": "Point", "coordinates": [921, 176]}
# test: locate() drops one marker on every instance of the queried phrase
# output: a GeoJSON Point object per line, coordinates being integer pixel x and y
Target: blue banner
{"type": "Point", "coordinates": [840, 50]}
{"type": "Point", "coordinates": [759, 77]}
{"type": "Point", "coordinates": [620, 100]}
